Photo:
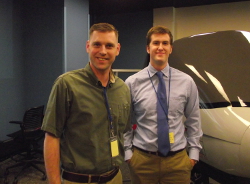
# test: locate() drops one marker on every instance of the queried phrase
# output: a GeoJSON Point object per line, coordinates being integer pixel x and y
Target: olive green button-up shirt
{"type": "Point", "coordinates": [76, 113]}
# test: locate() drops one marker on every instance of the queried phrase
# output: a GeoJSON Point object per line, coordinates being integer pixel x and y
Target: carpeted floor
{"type": "Point", "coordinates": [32, 176]}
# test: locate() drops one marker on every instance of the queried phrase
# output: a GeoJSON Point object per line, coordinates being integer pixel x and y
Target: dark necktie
{"type": "Point", "coordinates": [162, 111]}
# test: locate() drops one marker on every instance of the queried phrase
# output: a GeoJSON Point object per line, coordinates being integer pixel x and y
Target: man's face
{"type": "Point", "coordinates": [159, 49]}
{"type": "Point", "coordinates": [102, 47]}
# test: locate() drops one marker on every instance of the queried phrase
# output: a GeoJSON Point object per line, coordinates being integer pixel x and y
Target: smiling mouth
{"type": "Point", "coordinates": [102, 59]}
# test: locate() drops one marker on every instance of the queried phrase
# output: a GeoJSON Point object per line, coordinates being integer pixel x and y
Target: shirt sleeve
{"type": "Point", "coordinates": [128, 135]}
{"type": "Point", "coordinates": [193, 122]}
{"type": "Point", "coordinates": [57, 109]}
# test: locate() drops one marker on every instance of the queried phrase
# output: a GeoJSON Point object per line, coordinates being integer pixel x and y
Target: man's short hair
{"type": "Point", "coordinates": [159, 30]}
{"type": "Point", "coordinates": [103, 27]}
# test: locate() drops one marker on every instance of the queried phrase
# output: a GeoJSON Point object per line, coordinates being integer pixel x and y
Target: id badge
{"type": "Point", "coordinates": [114, 146]}
{"type": "Point", "coordinates": [171, 137]}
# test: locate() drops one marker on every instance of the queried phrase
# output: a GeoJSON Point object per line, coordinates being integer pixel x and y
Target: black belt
{"type": "Point", "coordinates": [157, 153]}
{"type": "Point", "coordinates": [89, 178]}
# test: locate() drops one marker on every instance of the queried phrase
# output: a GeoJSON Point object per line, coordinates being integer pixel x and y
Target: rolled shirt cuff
{"type": "Point", "coordinates": [128, 154]}
{"type": "Point", "coordinates": [194, 154]}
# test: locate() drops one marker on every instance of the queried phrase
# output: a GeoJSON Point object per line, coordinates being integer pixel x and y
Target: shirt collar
{"type": "Point", "coordinates": [153, 71]}
{"type": "Point", "coordinates": [112, 76]}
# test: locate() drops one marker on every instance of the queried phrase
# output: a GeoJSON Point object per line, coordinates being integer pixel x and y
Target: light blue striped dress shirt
{"type": "Point", "coordinates": [183, 105]}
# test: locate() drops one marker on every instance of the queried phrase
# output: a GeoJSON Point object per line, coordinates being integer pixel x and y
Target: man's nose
{"type": "Point", "coordinates": [160, 46]}
{"type": "Point", "coordinates": [103, 50]}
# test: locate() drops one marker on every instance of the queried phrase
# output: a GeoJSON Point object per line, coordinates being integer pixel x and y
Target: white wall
{"type": "Point", "coordinates": [76, 26]}
{"type": "Point", "coordinates": [188, 21]}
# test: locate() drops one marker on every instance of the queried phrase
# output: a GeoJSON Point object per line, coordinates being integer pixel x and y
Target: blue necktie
{"type": "Point", "coordinates": [163, 129]}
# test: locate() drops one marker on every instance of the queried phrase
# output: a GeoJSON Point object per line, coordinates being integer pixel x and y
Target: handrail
{"type": "Point", "coordinates": [116, 71]}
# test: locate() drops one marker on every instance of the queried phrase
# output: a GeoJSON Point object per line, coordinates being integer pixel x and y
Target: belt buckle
{"type": "Point", "coordinates": [105, 176]}
{"type": "Point", "coordinates": [89, 178]}
{"type": "Point", "coordinates": [99, 179]}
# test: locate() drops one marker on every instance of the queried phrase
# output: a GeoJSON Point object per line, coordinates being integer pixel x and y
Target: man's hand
{"type": "Point", "coordinates": [128, 161]}
{"type": "Point", "coordinates": [193, 162]}
{"type": "Point", "coordinates": [52, 158]}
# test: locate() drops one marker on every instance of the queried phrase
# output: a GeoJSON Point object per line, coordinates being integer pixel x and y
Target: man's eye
{"type": "Point", "coordinates": [109, 46]}
{"type": "Point", "coordinates": [156, 43]}
{"type": "Point", "coordinates": [96, 44]}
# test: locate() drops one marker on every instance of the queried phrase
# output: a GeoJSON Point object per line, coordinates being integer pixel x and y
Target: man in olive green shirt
{"type": "Point", "coordinates": [86, 116]}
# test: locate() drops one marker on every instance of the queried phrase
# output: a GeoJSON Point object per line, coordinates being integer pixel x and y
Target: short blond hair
{"type": "Point", "coordinates": [103, 27]}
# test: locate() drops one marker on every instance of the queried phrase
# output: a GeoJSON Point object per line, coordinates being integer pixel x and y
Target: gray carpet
{"type": "Point", "coordinates": [32, 176]}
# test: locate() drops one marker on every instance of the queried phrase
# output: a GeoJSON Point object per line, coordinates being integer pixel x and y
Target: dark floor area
{"type": "Point", "coordinates": [32, 176]}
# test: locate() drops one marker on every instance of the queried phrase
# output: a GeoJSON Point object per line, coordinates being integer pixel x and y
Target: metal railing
{"type": "Point", "coordinates": [116, 71]}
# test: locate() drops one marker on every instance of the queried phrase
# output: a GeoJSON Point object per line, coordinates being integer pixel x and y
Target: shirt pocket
{"type": "Point", "coordinates": [124, 114]}
{"type": "Point", "coordinates": [120, 115]}
{"type": "Point", "coordinates": [176, 107]}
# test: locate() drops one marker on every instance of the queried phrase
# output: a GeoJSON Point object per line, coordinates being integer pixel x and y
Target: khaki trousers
{"type": "Point", "coordinates": [116, 180]}
{"type": "Point", "coordinates": [151, 169]}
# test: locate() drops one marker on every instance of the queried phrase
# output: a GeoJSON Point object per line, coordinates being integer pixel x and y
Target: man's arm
{"type": "Point", "coordinates": [128, 144]}
{"type": "Point", "coordinates": [129, 133]}
{"type": "Point", "coordinates": [52, 158]}
{"type": "Point", "coordinates": [193, 122]}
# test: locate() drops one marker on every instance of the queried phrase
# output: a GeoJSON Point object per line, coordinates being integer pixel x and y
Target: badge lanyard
{"type": "Point", "coordinates": [113, 138]}
{"type": "Point", "coordinates": [165, 109]}
{"type": "Point", "coordinates": [108, 110]}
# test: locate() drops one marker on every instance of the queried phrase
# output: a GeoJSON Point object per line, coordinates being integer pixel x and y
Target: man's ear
{"type": "Point", "coordinates": [87, 46]}
{"type": "Point", "coordinates": [171, 49]}
{"type": "Point", "coordinates": [118, 49]}
{"type": "Point", "coordinates": [147, 48]}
